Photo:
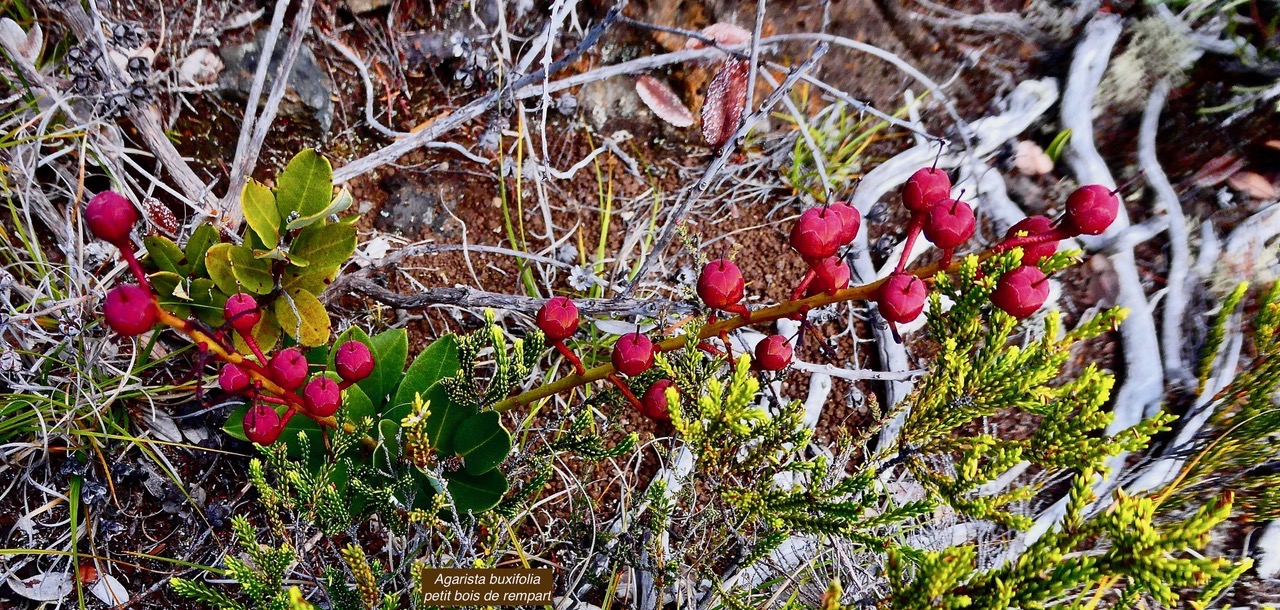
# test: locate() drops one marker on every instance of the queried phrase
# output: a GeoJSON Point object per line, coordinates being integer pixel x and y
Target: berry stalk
{"type": "Point", "coordinates": [715, 329]}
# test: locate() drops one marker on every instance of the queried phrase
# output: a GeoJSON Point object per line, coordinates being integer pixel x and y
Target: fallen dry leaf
{"type": "Point", "coordinates": [725, 35]}
{"type": "Point", "coordinates": [664, 102]}
{"type": "Point", "coordinates": [726, 96]}
{"type": "Point", "coordinates": [161, 216]}
{"type": "Point", "coordinates": [1253, 185]}
{"type": "Point", "coordinates": [1217, 170]}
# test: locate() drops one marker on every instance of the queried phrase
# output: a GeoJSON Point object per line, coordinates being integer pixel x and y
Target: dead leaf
{"type": "Point", "coordinates": [726, 96]}
{"type": "Point", "coordinates": [1253, 185]}
{"type": "Point", "coordinates": [1217, 170]}
{"type": "Point", "coordinates": [110, 591]}
{"type": "Point", "coordinates": [43, 587]}
{"type": "Point", "coordinates": [664, 102]}
{"type": "Point", "coordinates": [161, 216]}
{"type": "Point", "coordinates": [725, 35]}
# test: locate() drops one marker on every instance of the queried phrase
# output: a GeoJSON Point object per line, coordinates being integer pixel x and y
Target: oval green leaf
{"type": "Point", "coordinates": [482, 442]}
{"type": "Point", "coordinates": [303, 317]}
{"type": "Point", "coordinates": [217, 261]}
{"type": "Point", "coordinates": [476, 493]}
{"type": "Point", "coordinates": [165, 255]}
{"type": "Point", "coordinates": [305, 186]}
{"type": "Point", "coordinates": [254, 274]}
{"type": "Point", "coordinates": [259, 207]}
{"type": "Point", "coordinates": [324, 247]}
{"type": "Point", "coordinates": [203, 238]}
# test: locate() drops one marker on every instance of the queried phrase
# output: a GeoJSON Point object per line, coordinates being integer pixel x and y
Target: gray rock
{"type": "Point", "coordinates": [411, 207]}
{"type": "Point", "coordinates": [309, 90]}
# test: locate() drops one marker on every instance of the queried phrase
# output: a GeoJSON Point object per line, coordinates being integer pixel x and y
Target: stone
{"type": "Point", "coordinates": [308, 95]}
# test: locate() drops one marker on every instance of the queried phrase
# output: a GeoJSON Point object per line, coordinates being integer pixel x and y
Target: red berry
{"type": "Point", "coordinates": [924, 188]}
{"type": "Point", "coordinates": [233, 379]}
{"type": "Point", "coordinates": [632, 354]}
{"type": "Point", "coordinates": [262, 424]}
{"type": "Point", "coordinates": [833, 268]}
{"type": "Point", "coordinates": [288, 368]}
{"type": "Point", "coordinates": [558, 318]}
{"type": "Point", "coordinates": [241, 312]}
{"type": "Point", "coordinates": [817, 234]}
{"type": "Point", "coordinates": [322, 396]}
{"type": "Point", "coordinates": [949, 223]}
{"type": "Point", "coordinates": [850, 220]}
{"type": "Point", "coordinates": [720, 284]}
{"type": "Point", "coordinates": [1092, 208]}
{"type": "Point", "coordinates": [901, 298]}
{"type": "Point", "coordinates": [111, 217]}
{"type": "Point", "coordinates": [1031, 226]}
{"type": "Point", "coordinates": [1021, 292]}
{"type": "Point", "coordinates": [654, 403]}
{"type": "Point", "coordinates": [773, 353]}
{"type": "Point", "coordinates": [354, 361]}
{"type": "Point", "coordinates": [129, 310]}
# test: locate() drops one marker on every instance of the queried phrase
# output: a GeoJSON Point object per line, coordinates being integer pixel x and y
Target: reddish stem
{"type": "Point", "coordinates": [127, 253]}
{"type": "Point", "coordinates": [798, 293]}
{"type": "Point", "coordinates": [626, 391]}
{"type": "Point", "coordinates": [913, 232]}
{"type": "Point", "coordinates": [570, 356]}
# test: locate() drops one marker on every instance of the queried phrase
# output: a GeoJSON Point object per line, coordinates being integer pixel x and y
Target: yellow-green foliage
{"type": "Point", "coordinates": [981, 372]}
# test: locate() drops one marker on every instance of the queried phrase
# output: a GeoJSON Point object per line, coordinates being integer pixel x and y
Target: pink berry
{"type": "Point", "coordinates": [654, 403]}
{"type": "Point", "coordinates": [850, 220]}
{"type": "Point", "coordinates": [558, 318]}
{"type": "Point", "coordinates": [632, 354]}
{"type": "Point", "coordinates": [949, 223]}
{"type": "Point", "coordinates": [817, 234]}
{"type": "Point", "coordinates": [111, 217]}
{"type": "Point", "coordinates": [129, 310]}
{"type": "Point", "coordinates": [1021, 292]}
{"type": "Point", "coordinates": [924, 188]}
{"type": "Point", "coordinates": [720, 284]}
{"type": "Point", "coordinates": [233, 379]}
{"type": "Point", "coordinates": [322, 396]}
{"type": "Point", "coordinates": [1031, 226]}
{"type": "Point", "coordinates": [353, 361]}
{"type": "Point", "coordinates": [773, 353]}
{"type": "Point", "coordinates": [262, 424]}
{"type": "Point", "coordinates": [241, 312]}
{"type": "Point", "coordinates": [1092, 208]}
{"type": "Point", "coordinates": [833, 269]}
{"type": "Point", "coordinates": [901, 298]}
{"type": "Point", "coordinates": [288, 368]}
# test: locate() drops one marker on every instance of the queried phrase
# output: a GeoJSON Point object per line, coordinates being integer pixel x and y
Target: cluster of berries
{"type": "Point", "coordinates": [818, 236]}
{"type": "Point", "coordinates": [632, 355]}
{"type": "Point", "coordinates": [132, 309]}
{"type": "Point", "coordinates": [948, 223]}
{"type": "Point", "coordinates": [288, 370]}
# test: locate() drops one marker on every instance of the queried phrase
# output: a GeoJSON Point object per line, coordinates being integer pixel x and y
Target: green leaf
{"type": "Point", "coordinates": [438, 361]}
{"type": "Point", "coordinates": [390, 353]}
{"type": "Point", "coordinates": [1058, 145]}
{"type": "Point", "coordinates": [340, 203]}
{"type": "Point", "coordinates": [303, 317]}
{"type": "Point", "coordinates": [218, 262]}
{"type": "Point", "coordinates": [483, 442]}
{"type": "Point", "coordinates": [357, 404]}
{"type": "Point", "coordinates": [314, 282]}
{"type": "Point", "coordinates": [165, 255]}
{"type": "Point", "coordinates": [324, 247]}
{"type": "Point", "coordinates": [388, 452]}
{"type": "Point", "coordinates": [476, 493]}
{"type": "Point", "coordinates": [253, 274]}
{"type": "Point", "coordinates": [207, 301]}
{"type": "Point", "coordinates": [173, 297]}
{"type": "Point", "coordinates": [305, 186]}
{"type": "Point", "coordinates": [203, 238]}
{"type": "Point", "coordinates": [260, 212]}
{"type": "Point", "coordinates": [235, 422]}
{"type": "Point", "coordinates": [279, 254]}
